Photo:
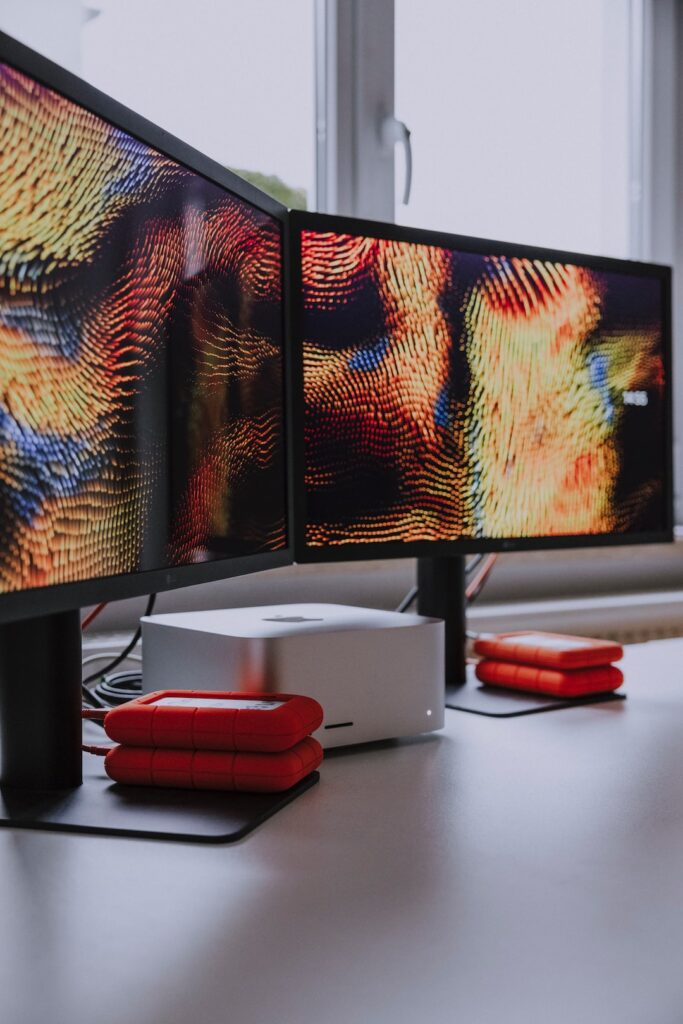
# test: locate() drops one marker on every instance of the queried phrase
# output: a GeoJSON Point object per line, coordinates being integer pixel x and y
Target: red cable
{"type": "Point", "coordinates": [97, 714]}
{"type": "Point", "coordinates": [473, 589]}
{"type": "Point", "coordinates": [91, 748]}
{"type": "Point", "coordinates": [91, 616]}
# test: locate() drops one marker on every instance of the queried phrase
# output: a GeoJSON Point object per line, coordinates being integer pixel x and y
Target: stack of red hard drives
{"type": "Point", "coordinates": [193, 739]}
{"type": "Point", "coordinates": [549, 663]}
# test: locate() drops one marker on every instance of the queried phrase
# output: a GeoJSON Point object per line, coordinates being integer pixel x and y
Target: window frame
{"type": "Point", "coordinates": [354, 95]}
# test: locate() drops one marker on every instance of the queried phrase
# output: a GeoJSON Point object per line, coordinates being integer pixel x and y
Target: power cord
{"type": "Point", "coordinates": [119, 688]}
{"type": "Point", "coordinates": [94, 715]}
{"type": "Point", "coordinates": [474, 589]}
{"type": "Point", "coordinates": [91, 616]}
{"type": "Point", "coordinates": [408, 599]}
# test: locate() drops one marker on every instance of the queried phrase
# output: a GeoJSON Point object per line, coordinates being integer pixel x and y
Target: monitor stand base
{"type": "Point", "coordinates": [43, 764]}
{"type": "Point", "coordinates": [441, 593]}
{"type": "Point", "coordinates": [499, 702]}
{"type": "Point", "coordinates": [103, 807]}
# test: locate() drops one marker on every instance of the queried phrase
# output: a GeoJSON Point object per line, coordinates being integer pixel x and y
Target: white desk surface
{"type": "Point", "coordinates": [508, 870]}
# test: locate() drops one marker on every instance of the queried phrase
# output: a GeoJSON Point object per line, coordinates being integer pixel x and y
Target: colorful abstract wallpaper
{"type": "Point", "coordinates": [140, 354]}
{"type": "Point", "coordinates": [454, 395]}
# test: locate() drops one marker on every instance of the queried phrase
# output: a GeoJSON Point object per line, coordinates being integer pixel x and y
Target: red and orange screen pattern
{"type": "Point", "coordinates": [453, 395]}
{"type": "Point", "coordinates": [140, 354]}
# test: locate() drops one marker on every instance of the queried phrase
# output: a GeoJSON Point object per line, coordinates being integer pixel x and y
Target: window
{"type": "Point", "coordinates": [235, 79]}
{"type": "Point", "coordinates": [519, 115]}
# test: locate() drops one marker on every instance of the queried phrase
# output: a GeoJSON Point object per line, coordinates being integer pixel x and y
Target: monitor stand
{"type": "Point", "coordinates": [441, 593]}
{"type": "Point", "coordinates": [47, 781]}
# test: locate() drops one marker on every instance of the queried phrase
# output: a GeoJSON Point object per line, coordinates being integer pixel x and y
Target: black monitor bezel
{"type": "Point", "coordinates": [59, 597]}
{"type": "Point", "coordinates": [356, 551]}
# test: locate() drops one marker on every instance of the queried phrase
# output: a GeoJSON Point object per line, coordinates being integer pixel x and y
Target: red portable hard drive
{"type": "Point", "coordinates": [207, 720]}
{"type": "Point", "coordinates": [214, 769]}
{"type": "Point", "coordinates": [552, 681]}
{"type": "Point", "coordinates": [552, 650]}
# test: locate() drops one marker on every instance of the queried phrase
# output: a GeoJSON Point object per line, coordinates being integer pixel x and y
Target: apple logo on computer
{"type": "Point", "coordinates": [292, 618]}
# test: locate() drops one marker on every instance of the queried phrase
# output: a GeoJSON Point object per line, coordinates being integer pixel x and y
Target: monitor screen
{"type": "Point", "coordinates": [456, 390]}
{"type": "Point", "coordinates": [141, 352]}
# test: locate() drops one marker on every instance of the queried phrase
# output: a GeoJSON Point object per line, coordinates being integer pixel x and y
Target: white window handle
{"type": "Point", "coordinates": [394, 131]}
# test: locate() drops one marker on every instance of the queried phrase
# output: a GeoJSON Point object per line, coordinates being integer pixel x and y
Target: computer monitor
{"type": "Point", "coordinates": [454, 395]}
{"type": "Point", "coordinates": [141, 386]}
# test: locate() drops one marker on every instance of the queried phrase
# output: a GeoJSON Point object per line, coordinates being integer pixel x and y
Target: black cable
{"type": "Point", "coordinates": [119, 688]}
{"type": "Point", "coordinates": [473, 563]}
{"type": "Point", "coordinates": [118, 659]}
{"type": "Point", "coordinates": [91, 699]}
{"type": "Point", "coordinates": [407, 600]}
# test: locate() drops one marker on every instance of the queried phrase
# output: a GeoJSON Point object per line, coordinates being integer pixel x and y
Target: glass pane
{"type": "Point", "coordinates": [519, 119]}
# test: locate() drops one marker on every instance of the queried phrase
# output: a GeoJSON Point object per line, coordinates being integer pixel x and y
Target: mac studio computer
{"type": "Point", "coordinates": [141, 418]}
{"type": "Point", "coordinates": [454, 395]}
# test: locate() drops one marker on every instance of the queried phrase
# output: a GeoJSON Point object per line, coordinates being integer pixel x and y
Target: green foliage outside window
{"type": "Point", "coordinates": [294, 198]}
